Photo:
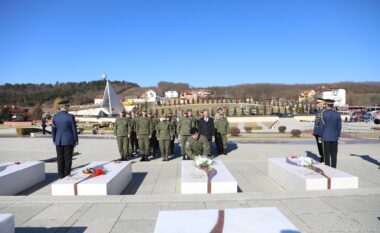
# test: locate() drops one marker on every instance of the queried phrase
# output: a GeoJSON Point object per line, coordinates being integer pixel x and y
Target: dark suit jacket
{"type": "Point", "coordinates": [331, 125]}
{"type": "Point", "coordinates": [64, 129]}
{"type": "Point", "coordinates": [206, 128]}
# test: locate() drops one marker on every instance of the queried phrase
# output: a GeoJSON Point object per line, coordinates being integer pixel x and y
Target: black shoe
{"type": "Point", "coordinates": [142, 159]}
{"type": "Point", "coordinates": [146, 159]}
{"type": "Point", "coordinates": [184, 157]}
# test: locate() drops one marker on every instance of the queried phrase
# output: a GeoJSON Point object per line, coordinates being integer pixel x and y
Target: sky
{"type": "Point", "coordinates": [200, 42]}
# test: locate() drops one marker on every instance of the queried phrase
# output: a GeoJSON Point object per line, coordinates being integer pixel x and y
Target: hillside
{"type": "Point", "coordinates": [26, 95]}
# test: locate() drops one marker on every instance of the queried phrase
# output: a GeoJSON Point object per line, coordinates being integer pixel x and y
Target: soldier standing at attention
{"type": "Point", "coordinates": [194, 120]}
{"type": "Point", "coordinates": [65, 137]}
{"type": "Point", "coordinates": [330, 130]}
{"type": "Point", "coordinates": [144, 133]}
{"type": "Point", "coordinates": [183, 130]}
{"type": "Point", "coordinates": [173, 125]}
{"type": "Point", "coordinates": [316, 132]}
{"type": "Point", "coordinates": [207, 127]}
{"type": "Point", "coordinates": [197, 144]}
{"type": "Point", "coordinates": [164, 133]}
{"type": "Point", "coordinates": [133, 138]}
{"type": "Point", "coordinates": [153, 139]}
{"type": "Point", "coordinates": [222, 127]}
{"type": "Point", "coordinates": [122, 130]}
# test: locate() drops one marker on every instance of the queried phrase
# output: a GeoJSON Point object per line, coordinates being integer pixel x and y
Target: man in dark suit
{"type": "Point", "coordinates": [206, 127]}
{"type": "Point", "coordinates": [65, 137]}
{"type": "Point", "coordinates": [320, 104]}
{"type": "Point", "coordinates": [330, 132]}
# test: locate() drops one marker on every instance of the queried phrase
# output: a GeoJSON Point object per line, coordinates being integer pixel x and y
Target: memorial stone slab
{"type": "Point", "coordinates": [217, 179]}
{"type": "Point", "coordinates": [316, 177]}
{"type": "Point", "coordinates": [15, 177]}
{"type": "Point", "coordinates": [116, 178]}
{"type": "Point", "coordinates": [242, 220]}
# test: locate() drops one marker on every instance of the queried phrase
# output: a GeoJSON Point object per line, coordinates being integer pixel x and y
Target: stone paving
{"type": "Point", "coordinates": [156, 186]}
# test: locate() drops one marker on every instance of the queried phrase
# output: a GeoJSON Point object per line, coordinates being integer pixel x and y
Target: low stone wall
{"type": "Point", "coordinates": [252, 119]}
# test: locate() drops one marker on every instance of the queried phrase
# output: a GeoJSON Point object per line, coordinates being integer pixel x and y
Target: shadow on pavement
{"type": "Point", "coordinates": [49, 178]}
{"type": "Point", "coordinates": [134, 185]}
{"type": "Point", "coordinates": [54, 159]}
{"type": "Point", "coordinates": [49, 229]}
{"type": "Point", "coordinates": [368, 158]}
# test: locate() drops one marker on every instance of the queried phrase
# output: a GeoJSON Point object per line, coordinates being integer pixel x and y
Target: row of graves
{"type": "Point", "coordinates": [201, 176]}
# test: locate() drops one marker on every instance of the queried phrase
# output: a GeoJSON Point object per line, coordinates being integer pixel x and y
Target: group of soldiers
{"type": "Point", "coordinates": [147, 135]}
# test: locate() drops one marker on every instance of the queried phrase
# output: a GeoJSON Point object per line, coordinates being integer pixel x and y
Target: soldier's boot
{"type": "Point", "coordinates": [147, 158]}
{"type": "Point", "coordinates": [184, 157]}
{"type": "Point", "coordinates": [142, 158]}
{"type": "Point", "coordinates": [225, 151]}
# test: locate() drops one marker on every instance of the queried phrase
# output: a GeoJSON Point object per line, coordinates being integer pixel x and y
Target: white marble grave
{"type": "Point", "coordinates": [117, 177]}
{"type": "Point", "coordinates": [196, 181]}
{"type": "Point", "coordinates": [15, 178]}
{"type": "Point", "coordinates": [242, 220]}
{"type": "Point", "coordinates": [7, 223]}
{"type": "Point", "coordinates": [294, 177]}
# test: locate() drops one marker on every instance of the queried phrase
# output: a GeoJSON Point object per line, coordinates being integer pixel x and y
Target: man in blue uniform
{"type": "Point", "coordinates": [316, 132]}
{"type": "Point", "coordinates": [65, 137]}
{"type": "Point", "coordinates": [330, 132]}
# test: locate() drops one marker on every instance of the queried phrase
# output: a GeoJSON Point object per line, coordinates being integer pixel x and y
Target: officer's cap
{"type": "Point", "coordinates": [64, 102]}
{"type": "Point", "coordinates": [320, 100]}
{"type": "Point", "coordinates": [329, 101]}
{"type": "Point", "coordinates": [193, 130]}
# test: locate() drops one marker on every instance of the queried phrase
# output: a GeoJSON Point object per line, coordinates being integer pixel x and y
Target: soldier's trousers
{"type": "Point", "coordinates": [172, 145]}
{"type": "Point", "coordinates": [330, 151]}
{"type": "Point", "coordinates": [182, 141]}
{"type": "Point", "coordinates": [219, 143]}
{"type": "Point", "coordinates": [123, 144]}
{"type": "Point", "coordinates": [165, 147]}
{"type": "Point", "coordinates": [134, 142]}
{"type": "Point", "coordinates": [144, 142]}
{"type": "Point", "coordinates": [320, 147]}
{"type": "Point", "coordinates": [224, 140]}
{"type": "Point", "coordinates": [64, 160]}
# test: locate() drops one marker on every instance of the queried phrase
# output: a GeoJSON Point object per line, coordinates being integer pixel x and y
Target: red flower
{"type": "Point", "coordinates": [98, 172]}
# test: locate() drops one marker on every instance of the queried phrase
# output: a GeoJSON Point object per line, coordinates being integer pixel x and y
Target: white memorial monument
{"type": "Point", "coordinates": [115, 179]}
{"type": "Point", "coordinates": [15, 177]}
{"type": "Point", "coordinates": [240, 220]}
{"type": "Point", "coordinates": [316, 177]}
{"type": "Point", "coordinates": [216, 180]}
{"type": "Point", "coordinates": [7, 223]}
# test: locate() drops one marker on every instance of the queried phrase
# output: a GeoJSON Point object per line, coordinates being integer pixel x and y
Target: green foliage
{"type": "Point", "coordinates": [5, 114]}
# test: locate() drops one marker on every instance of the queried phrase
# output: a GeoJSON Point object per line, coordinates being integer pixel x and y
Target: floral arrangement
{"type": "Point", "coordinates": [203, 161]}
{"type": "Point", "coordinates": [94, 171]}
{"type": "Point", "coordinates": [302, 160]}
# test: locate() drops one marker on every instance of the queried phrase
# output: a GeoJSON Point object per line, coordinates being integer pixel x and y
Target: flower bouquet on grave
{"type": "Point", "coordinates": [94, 171]}
{"type": "Point", "coordinates": [203, 162]}
{"type": "Point", "coordinates": [302, 161]}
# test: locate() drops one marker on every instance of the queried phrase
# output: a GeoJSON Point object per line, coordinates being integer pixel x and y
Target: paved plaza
{"type": "Point", "coordinates": [156, 186]}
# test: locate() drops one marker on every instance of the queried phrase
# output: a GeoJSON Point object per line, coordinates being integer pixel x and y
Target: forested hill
{"type": "Point", "coordinates": [34, 94]}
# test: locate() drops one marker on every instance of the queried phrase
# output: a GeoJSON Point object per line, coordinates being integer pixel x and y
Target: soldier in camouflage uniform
{"type": "Point", "coordinates": [165, 132]}
{"type": "Point", "coordinates": [183, 130]}
{"type": "Point", "coordinates": [222, 127]}
{"type": "Point", "coordinates": [122, 133]}
{"type": "Point", "coordinates": [194, 120]}
{"type": "Point", "coordinates": [133, 138]}
{"type": "Point", "coordinates": [173, 124]}
{"type": "Point", "coordinates": [144, 133]}
{"type": "Point", "coordinates": [197, 144]}
{"type": "Point", "coordinates": [153, 139]}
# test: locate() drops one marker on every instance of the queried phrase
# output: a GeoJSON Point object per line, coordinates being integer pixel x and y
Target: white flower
{"type": "Point", "coordinates": [305, 161]}
{"type": "Point", "coordinates": [203, 161]}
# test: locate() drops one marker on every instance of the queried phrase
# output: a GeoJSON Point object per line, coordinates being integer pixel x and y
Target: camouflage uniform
{"type": "Point", "coordinates": [133, 138]}
{"type": "Point", "coordinates": [153, 139]}
{"type": "Point", "coordinates": [197, 147]}
{"type": "Point", "coordinates": [122, 132]}
{"type": "Point", "coordinates": [222, 128]}
{"type": "Point", "coordinates": [183, 130]}
{"type": "Point", "coordinates": [164, 133]}
{"type": "Point", "coordinates": [144, 132]}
